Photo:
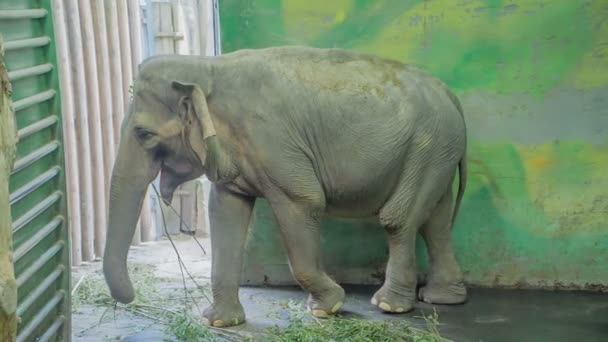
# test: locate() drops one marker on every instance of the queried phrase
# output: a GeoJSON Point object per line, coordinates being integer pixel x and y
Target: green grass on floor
{"type": "Point", "coordinates": [183, 320]}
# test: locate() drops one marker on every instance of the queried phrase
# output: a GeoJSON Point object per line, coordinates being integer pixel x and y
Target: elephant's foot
{"type": "Point", "coordinates": [443, 293]}
{"type": "Point", "coordinates": [224, 315]}
{"type": "Point", "coordinates": [327, 302]}
{"type": "Point", "coordinates": [392, 301]}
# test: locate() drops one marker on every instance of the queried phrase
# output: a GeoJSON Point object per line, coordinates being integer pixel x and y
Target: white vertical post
{"type": "Point", "coordinates": [82, 134]}
{"type": "Point", "coordinates": [69, 131]}
{"type": "Point", "coordinates": [94, 114]}
{"type": "Point", "coordinates": [105, 90]}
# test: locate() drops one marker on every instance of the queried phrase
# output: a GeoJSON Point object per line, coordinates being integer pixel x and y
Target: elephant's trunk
{"type": "Point", "coordinates": [133, 171]}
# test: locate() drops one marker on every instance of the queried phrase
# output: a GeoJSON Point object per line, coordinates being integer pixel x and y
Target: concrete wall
{"type": "Point", "coordinates": [533, 79]}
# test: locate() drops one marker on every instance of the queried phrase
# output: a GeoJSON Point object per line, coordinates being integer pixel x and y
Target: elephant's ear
{"type": "Point", "coordinates": [199, 102]}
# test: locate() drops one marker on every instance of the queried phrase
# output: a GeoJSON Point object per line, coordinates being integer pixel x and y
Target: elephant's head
{"type": "Point", "coordinates": [164, 132]}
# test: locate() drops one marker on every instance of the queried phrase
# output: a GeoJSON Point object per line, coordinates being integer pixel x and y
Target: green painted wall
{"type": "Point", "coordinates": [533, 79]}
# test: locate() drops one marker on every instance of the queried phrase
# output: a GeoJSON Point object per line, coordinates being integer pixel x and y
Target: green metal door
{"type": "Point", "coordinates": [38, 203]}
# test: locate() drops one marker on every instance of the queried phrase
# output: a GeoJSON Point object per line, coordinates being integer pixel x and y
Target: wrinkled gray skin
{"type": "Point", "coordinates": [315, 132]}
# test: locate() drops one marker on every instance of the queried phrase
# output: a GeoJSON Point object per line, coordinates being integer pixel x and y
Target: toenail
{"type": "Point", "coordinates": [385, 306]}
{"type": "Point", "coordinates": [374, 301]}
{"type": "Point", "coordinates": [219, 323]}
{"type": "Point", "coordinates": [206, 321]}
{"type": "Point", "coordinates": [337, 307]}
{"type": "Point", "coordinates": [320, 313]}
{"type": "Point", "coordinates": [399, 310]}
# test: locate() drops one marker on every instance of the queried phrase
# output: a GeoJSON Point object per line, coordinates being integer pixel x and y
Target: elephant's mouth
{"type": "Point", "coordinates": [169, 181]}
{"type": "Point", "coordinates": [174, 174]}
{"type": "Point", "coordinates": [166, 191]}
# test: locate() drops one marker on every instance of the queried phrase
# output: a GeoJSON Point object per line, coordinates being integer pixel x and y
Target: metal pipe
{"type": "Point", "coordinates": [148, 233]}
{"type": "Point", "coordinates": [96, 145]}
{"type": "Point", "coordinates": [125, 49]}
{"type": "Point", "coordinates": [136, 37]}
{"type": "Point", "coordinates": [33, 295]}
{"type": "Point", "coordinates": [69, 132]}
{"type": "Point", "coordinates": [35, 211]}
{"type": "Point", "coordinates": [115, 68]}
{"type": "Point", "coordinates": [29, 72]}
{"type": "Point", "coordinates": [105, 88]}
{"type": "Point", "coordinates": [122, 15]}
{"type": "Point", "coordinates": [82, 132]}
{"type": "Point", "coordinates": [30, 243]}
{"type": "Point", "coordinates": [37, 126]}
{"type": "Point", "coordinates": [40, 316]}
{"type": "Point", "coordinates": [34, 156]}
{"type": "Point", "coordinates": [37, 265]}
{"type": "Point", "coordinates": [23, 14]}
{"type": "Point", "coordinates": [34, 184]}
{"type": "Point", "coordinates": [26, 43]}
{"type": "Point", "coordinates": [34, 99]}
{"type": "Point", "coordinates": [52, 330]}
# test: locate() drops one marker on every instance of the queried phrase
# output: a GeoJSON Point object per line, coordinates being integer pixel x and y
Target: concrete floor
{"type": "Point", "coordinates": [490, 315]}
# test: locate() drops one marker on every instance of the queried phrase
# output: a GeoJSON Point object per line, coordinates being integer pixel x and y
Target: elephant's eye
{"type": "Point", "coordinates": [144, 134]}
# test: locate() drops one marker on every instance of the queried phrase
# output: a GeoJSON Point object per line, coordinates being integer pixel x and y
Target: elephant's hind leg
{"type": "Point", "coordinates": [398, 293]}
{"type": "Point", "coordinates": [402, 216]}
{"type": "Point", "coordinates": [444, 282]}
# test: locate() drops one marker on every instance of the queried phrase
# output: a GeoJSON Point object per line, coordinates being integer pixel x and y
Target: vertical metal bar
{"type": "Point", "coordinates": [125, 49]}
{"type": "Point", "coordinates": [150, 28]}
{"type": "Point", "coordinates": [115, 67]}
{"type": "Point", "coordinates": [69, 132]}
{"type": "Point", "coordinates": [96, 145]}
{"type": "Point", "coordinates": [217, 41]}
{"type": "Point", "coordinates": [136, 37]}
{"type": "Point", "coordinates": [105, 87]}
{"type": "Point", "coordinates": [53, 79]}
{"type": "Point", "coordinates": [146, 221]}
{"type": "Point", "coordinates": [82, 132]}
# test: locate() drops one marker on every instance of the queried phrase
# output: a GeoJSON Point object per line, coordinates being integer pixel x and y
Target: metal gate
{"type": "Point", "coordinates": [37, 198]}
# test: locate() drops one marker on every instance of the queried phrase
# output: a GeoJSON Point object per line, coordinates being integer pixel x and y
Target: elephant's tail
{"type": "Point", "coordinates": [462, 170]}
{"type": "Point", "coordinates": [462, 164]}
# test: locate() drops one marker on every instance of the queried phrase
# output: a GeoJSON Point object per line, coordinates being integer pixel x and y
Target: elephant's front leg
{"type": "Point", "coordinates": [229, 216]}
{"type": "Point", "coordinates": [299, 224]}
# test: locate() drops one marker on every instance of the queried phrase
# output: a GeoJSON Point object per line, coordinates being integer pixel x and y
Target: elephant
{"type": "Point", "coordinates": [315, 132]}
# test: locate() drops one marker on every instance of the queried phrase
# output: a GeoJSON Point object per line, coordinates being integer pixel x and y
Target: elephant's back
{"type": "Point", "coordinates": [331, 87]}
{"type": "Point", "coordinates": [331, 71]}
{"type": "Point", "coordinates": [337, 72]}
